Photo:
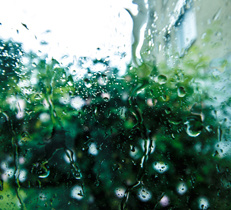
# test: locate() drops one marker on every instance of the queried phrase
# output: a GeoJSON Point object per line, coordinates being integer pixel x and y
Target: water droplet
{"type": "Point", "coordinates": [77, 192]}
{"type": "Point", "coordinates": [132, 148]}
{"type": "Point", "coordinates": [196, 109]}
{"type": "Point", "coordinates": [1, 185]}
{"type": "Point", "coordinates": [44, 175]}
{"type": "Point", "coordinates": [164, 97]}
{"type": "Point", "coordinates": [203, 203]}
{"type": "Point", "coordinates": [162, 79]}
{"type": "Point", "coordinates": [168, 110]}
{"type": "Point", "coordinates": [209, 128]}
{"type": "Point", "coordinates": [181, 92]}
{"type": "Point", "coordinates": [102, 80]}
{"type": "Point", "coordinates": [74, 168]}
{"type": "Point", "coordinates": [76, 174]}
{"type": "Point", "coordinates": [106, 99]}
{"type": "Point", "coordinates": [108, 113]}
{"type": "Point", "coordinates": [25, 135]}
{"type": "Point", "coordinates": [216, 16]}
{"type": "Point", "coordinates": [160, 167]}
{"type": "Point", "coordinates": [144, 195]}
{"type": "Point", "coordinates": [219, 133]}
{"type": "Point", "coordinates": [194, 126]}
{"type": "Point", "coordinates": [96, 111]}
{"type": "Point", "coordinates": [105, 96]}
{"type": "Point", "coordinates": [37, 96]}
{"type": "Point", "coordinates": [39, 184]}
{"type": "Point", "coordinates": [70, 83]}
{"type": "Point", "coordinates": [96, 183]}
{"type": "Point", "coordinates": [28, 184]}
{"type": "Point", "coordinates": [1, 197]}
{"type": "Point", "coordinates": [44, 172]}
{"type": "Point", "coordinates": [181, 188]}
{"type": "Point", "coordinates": [174, 121]}
{"type": "Point", "coordinates": [80, 193]}
{"type": "Point", "coordinates": [87, 83]}
{"type": "Point", "coordinates": [25, 26]}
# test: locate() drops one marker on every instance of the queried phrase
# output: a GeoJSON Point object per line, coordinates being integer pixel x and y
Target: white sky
{"type": "Point", "coordinates": [78, 27]}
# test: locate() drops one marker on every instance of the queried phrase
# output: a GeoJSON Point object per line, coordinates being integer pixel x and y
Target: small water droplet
{"type": "Point", "coordinates": [209, 128]}
{"type": "Point", "coordinates": [77, 175]}
{"type": "Point", "coordinates": [194, 126]}
{"type": "Point", "coordinates": [80, 193]}
{"type": "Point", "coordinates": [133, 148]}
{"type": "Point", "coordinates": [168, 110]}
{"type": "Point", "coordinates": [164, 97]}
{"type": "Point", "coordinates": [70, 83]}
{"type": "Point", "coordinates": [108, 113]}
{"type": "Point", "coordinates": [39, 184]}
{"type": "Point", "coordinates": [162, 79]}
{"type": "Point", "coordinates": [106, 99]}
{"type": "Point", "coordinates": [96, 111]}
{"type": "Point", "coordinates": [25, 135]}
{"type": "Point", "coordinates": [37, 97]}
{"type": "Point", "coordinates": [43, 171]}
{"type": "Point", "coordinates": [174, 121]}
{"type": "Point", "coordinates": [45, 174]}
{"type": "Point", "coordinates": [181, 92]}
{"type": "Point", "coordinates": [25, 26]}
{"type": "Point", "coordinates": [87, 83]}
{"type": "Point", "coordinates": [96, 183]}
{"type": "Point", "coordinates": [1, 197]}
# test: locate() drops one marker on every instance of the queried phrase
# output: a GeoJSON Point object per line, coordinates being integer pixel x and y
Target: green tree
{"type": "Point", "coordinates": [144, 140]}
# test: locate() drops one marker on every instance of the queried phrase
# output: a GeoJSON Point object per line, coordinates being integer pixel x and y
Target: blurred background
{"type": "Point", "coordinates": [115, 104]}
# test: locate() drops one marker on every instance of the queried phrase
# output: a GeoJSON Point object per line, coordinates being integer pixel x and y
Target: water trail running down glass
{"type": "Point", "coordinates": [75, 169]}
{"type": "Point", "coordinates": [57, 130]}
{"type": "Point", "coordinates": [139, 22]}
{"type": "Point", "coordinates": [16, 159]}
{"type": "Point", "coordinates": [148, 143]}
{"type": "Point", "coordinates": [56, 122]}
{"type": "Point", "coordinates": [16, 171]}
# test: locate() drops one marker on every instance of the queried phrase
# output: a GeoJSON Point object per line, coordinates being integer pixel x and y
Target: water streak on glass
{"type": "Point", "coordinates": [115, 104]}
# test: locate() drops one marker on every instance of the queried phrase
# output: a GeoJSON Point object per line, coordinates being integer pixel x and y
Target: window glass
{"type": "Point", "coordinates": [186, 31]}
{"type": "Point", "coordinates": [115, 104]}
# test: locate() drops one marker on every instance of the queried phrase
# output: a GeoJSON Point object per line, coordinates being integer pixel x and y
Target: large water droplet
{"type": "Point", "coordinates": [194, 126]}
{"type": "Point", "coordinates": [181, 92]}
{"type": "Point", "coordinates": [161, 79]}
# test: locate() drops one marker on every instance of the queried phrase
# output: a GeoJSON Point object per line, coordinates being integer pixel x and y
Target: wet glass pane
{"type": "Point", "coordinates": [115, 104]}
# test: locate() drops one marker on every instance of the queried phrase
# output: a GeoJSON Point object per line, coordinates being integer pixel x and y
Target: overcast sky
{"type": "Point", "coordinates": [71, 27]}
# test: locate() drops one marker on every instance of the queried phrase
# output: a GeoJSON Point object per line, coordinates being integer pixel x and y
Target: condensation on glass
{"type": "Point", "coordinates": [115, 105]}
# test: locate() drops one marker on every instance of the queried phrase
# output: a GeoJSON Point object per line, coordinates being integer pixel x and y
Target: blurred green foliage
{"type": "Point", "coordinates": [81, 142]}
